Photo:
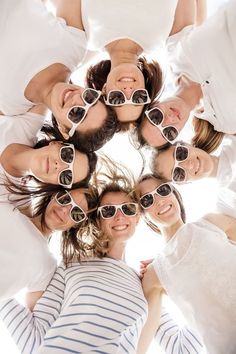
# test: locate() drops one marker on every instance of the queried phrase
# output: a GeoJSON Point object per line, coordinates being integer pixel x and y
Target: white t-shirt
{"type": "Point", "coordinates": [25, 260]}
{"type": "Point", "coordinates": [31, 40]}
{"type": "Point", "coordinates": [146, 22]}
{"type": "Point", "coordinates": [226, 178]}
{"type": "Point", "coordinates": [207, 55]}
{"type": "Point", "coordinates": [197, 268]}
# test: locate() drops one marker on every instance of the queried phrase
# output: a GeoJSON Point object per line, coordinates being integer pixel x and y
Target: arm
{"type": "Point", "coordinates": [32, 298]}
{"type": "Point", "coordinates": [188, 12]}
{"type": "Point", "coordinates": [152, 291]}
{"type": "Point", "coordinates": [225, 223]}
{"type": "Point", "coordinates": [70, 10]}
{"type": "Point", "coordinates": [29, 328]}
{"type": "Point", "coordinates": [174, 339]}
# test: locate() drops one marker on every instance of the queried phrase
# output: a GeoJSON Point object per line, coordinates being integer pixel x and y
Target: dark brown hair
{"type": "Point", "coordinates": [176, 194]}
{"type": "Point", "coordinates": [97, 77]}
{"type": "Point", "coordinates": [206, 137]}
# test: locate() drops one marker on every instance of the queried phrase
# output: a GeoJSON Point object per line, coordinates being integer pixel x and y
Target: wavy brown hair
{"type": "Point", "coordinates": [206, 137]}
{"type": "Point", "coordinates": [153, 78]}
{"type": "Point", "coordinates": [176, 193]}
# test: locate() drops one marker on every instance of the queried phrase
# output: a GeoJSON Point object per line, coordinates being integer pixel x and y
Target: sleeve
{"type": "Point", "coordinates": [174, 339]}
{"type": "Point", "coordinates": [29, 328]}
{"type": "Point", "coordinates": [46, 274]}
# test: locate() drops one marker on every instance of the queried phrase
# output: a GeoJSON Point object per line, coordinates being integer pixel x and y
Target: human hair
{"type": "Point", "coordinates": [90, 141]}
{"type": "Point", "coordinates": [116, 179]}
{"type": "Point", "coordinates": [206, 137]}
{"type": "Point", "coordinates": [97, 76]}
{"type": "Point", "coordinates": [177, 195]}
{"type": "Point", "coordinates": [77, 242]}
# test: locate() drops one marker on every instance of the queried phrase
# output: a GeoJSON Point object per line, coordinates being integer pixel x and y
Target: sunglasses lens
{"type": "Point", "coordinates": [140, 97]}
{"type": "Point", "coordinates": [63, 198]}
{"type": "Point", "coordinates": [108, 211]}
{"type": "Point", "coordinates": [90, 96]}
{"type": "Point", "coordinates": [146, 201]}
{"type": "Point", "coordinates": [67, 154]}
{"type": "Point", "coordinates": [164, 190]}
{"type": "Point", "coordinates": [77, 214]}
{"type": "Point", "coordinates": [116, 98]}
{"type": "Point", "coordinates": [129, 209]}
{"type": "Point", "coordinates": [76, 114]}
{"type": "Point", "coordinates": [156, 116]}
{"type": "Point", "coordinates": [170, 133]}
{"type": "Point", "coordinates": [179, 174]}
{"type": "Point", "coordinates": [65, 177]}
{"type": "Point", "coordinates": [181, 153]}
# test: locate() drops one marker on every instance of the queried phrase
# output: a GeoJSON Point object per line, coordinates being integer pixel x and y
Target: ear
{"type": "Point", "coordinates": [64, 131]}
{"type": "Point", "coordinates": [104, 90]}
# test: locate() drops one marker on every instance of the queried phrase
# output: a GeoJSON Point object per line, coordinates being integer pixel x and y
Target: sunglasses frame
{"type": "Point", "coordinates": [160, 126]}
{"type": "Point", "coordinates": [70, 164]}
{"type": "Point", "coordinates": [73, 204]}
{"type": "Point", "coordinates": [127, 101]}
{"type": "Point", "coordinates": [86, 108]}
{"type": "Point", "coordinates": [177, 164]}
{"type": "Point", "coordinates": [117, 207]}
{"type": "Point", "coordinates": [154, 191]}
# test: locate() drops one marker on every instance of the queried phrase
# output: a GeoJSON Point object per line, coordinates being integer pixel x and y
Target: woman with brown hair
{"type": "Point", "coordinates": [27, 242]}
{"type": "Point", "coordinates": [205, 84]}
{"type": "Point", "coordinates": [127, 32]}
{"type": "Point", "coordinates": [197, 265]}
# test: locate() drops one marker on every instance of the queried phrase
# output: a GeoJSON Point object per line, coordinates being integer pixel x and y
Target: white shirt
{"type": "Point", "coordinates": [197, 269]}
{"type": "Point", "coordinates": [31, 40]}
{"type": "Point", "coordinates": [207, 55]}
{"type": "Point", "coordinates": [146, 22]}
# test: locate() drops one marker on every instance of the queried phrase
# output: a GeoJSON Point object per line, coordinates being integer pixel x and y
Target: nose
{"type": "Point", "coordinates": [77, 99]}
{"type": "Point", "coordinates": [127, 89]}
{"type": "Point", "coordinates": [188, 165]}
{"type": "Point", "coordinates": [171, 117]}
{"type": "Point", "coordinates": [119, 214]}
{"type": "Point", "coordinates": [60, 165]}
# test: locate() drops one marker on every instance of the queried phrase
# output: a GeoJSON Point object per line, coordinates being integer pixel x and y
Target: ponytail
{"type": "Point", "coordinates": [206, 137]}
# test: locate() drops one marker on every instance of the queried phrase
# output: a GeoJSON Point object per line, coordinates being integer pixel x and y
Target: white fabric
{"type": "Point", "coordinates": [31, 40]}
{"type": "Point", "coordinates": [226, 178]}
{"type": "Point", "coordinates": [146, 22]}
{"type": "Point", "coordinates": [25, 260]}
{"type": "Point", "coordinates": [197, 268]}
{"type": "Point", "coordinates": [96, 306]}
{"type": "Point", "coordinates": [207, 55]}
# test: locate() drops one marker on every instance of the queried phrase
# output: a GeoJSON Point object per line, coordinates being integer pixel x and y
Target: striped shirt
{"type": "Point", "coordinates": [174, 339]}
{"type": "Point", "coordinates": [97, 306]}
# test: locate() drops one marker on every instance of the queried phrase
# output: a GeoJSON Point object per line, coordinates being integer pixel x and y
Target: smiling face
{"type": "Point", "coordinates": [176, 114]}
{"type": "Point", "coordinates": [126, 78]}
{"type": "Point", "coordinates": [199, 164]}
{"type": "Point", "coordinates": [65, 96]}
{"type": "Point", "coordinates": [165, 211]}
{"type": "Point", "coordinates": [57, 217]}
{"type": "Point", "coordinates": [120, 227]}
{"type": "Point", "coordinates": [46, 164]}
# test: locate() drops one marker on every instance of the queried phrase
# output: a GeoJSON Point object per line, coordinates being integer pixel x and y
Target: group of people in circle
{"type": "Point", "coordinates": [52, 180]}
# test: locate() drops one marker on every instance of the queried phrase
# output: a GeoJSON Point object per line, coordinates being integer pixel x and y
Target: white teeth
{"type": "Point", "coordinates": [126, 79]}
{"type": "Point", "coordinates": [165, 210]}
{"type": "Point", "coordinates": [120, 227]}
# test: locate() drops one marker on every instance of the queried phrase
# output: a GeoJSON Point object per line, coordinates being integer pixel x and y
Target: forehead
{"type": "Point", "coordinates": [115, 198]}
{"type": "Point", "coordinates": [149, 184]}
{"type": "Point", "coordinates": [79, 198]}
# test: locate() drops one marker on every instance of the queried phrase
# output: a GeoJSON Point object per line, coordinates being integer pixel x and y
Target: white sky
{"type": "Point", "coordinates": [199, 198]}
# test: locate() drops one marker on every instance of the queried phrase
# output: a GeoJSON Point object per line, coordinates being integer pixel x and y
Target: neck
{"type": "Point", "coordinates": [123, 51]}
{"type": "Point", "coordinates": [189, 91]}
{"type": "Point", "coordinates": [215, 160]}
{"type": "Point", "coordinates": [36, 220]}
{"type": "Point", "coordinates": [169, 231]}
{"type": "Point", "coordinates": [18, 160]}
{"type": "Point", "coordinates": [117, 251]}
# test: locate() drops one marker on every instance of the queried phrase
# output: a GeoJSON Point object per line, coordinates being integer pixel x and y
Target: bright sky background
{"type": "Point", "coordinates": [199, 199]}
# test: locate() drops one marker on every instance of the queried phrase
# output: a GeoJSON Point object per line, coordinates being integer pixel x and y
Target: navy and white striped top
{"type": "Point", "coordinates": [97, 306]}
